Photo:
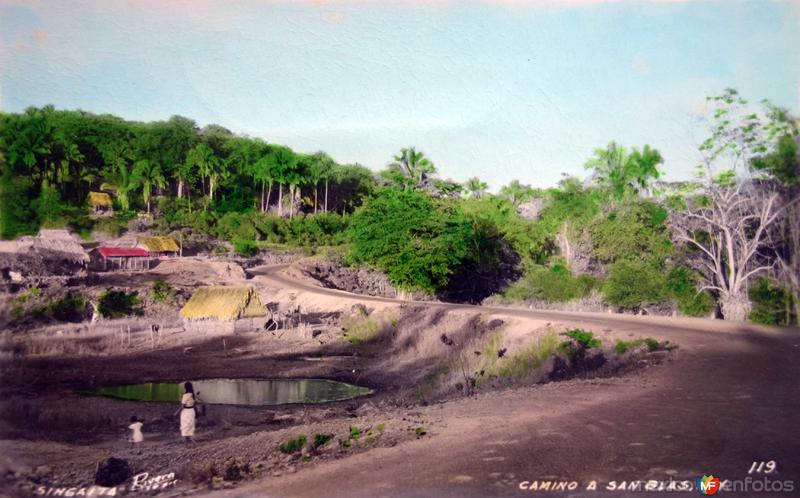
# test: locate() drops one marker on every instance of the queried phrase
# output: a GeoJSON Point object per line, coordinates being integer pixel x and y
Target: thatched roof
{"type": "Point", "coordinates": [60, 241]}
{"type": "Point", "coordinates": [223, 303]}
{"type": "Point", "coordinates": [159, 244]}
{"type": "Point", "coordinates": [99, 199]}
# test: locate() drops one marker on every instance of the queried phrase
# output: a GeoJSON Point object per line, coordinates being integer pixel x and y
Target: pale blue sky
{"type": "Point", "coordinates": [496, 89]}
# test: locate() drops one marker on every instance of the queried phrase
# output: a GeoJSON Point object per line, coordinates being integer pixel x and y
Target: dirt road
{"type": "Point", "coordinates": [727, 399]}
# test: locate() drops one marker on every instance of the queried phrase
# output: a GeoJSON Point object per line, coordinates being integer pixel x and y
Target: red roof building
{"type": "Point", "coordinates": [121, 258]}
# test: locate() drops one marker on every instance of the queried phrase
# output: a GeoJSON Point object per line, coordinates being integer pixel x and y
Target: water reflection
{"type": "Point", "coordinates": [241, 391]}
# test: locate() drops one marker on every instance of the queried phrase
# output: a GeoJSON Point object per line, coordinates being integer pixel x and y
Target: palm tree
{"type": "Point", "coordinates": [516, 192]}
{"type": "Point", "coordinates": [320, 166]}
{"type": "Point", "coordinates": [410, 168]}
{"type": "Point", "coordinates": [622, 173]}
{"type": "Point", "coordinates": [476, 187]}
{"type": "Point", "coordinates": [148, 174]}
{"type": "Point", "coordinates": [207, 163]}
{"type": "Point", "coordinates": [282, 162]}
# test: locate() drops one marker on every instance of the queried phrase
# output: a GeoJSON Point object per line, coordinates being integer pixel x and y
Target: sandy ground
{"type": "Point", "coordinates": [725, 398]}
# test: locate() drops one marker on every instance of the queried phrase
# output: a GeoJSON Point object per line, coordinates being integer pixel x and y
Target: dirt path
{"type": "Point", "coordinates": [728, 398]}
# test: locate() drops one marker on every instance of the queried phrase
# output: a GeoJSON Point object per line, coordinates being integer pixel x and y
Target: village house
{"type": "Point", "coordinates": [119, 258]}
{"type": "Point", "coordinates": [224, 309]}
{"type": "Point", "coordinates": [100, 202]}
{"type": "Point", "coordinates": [51, 252]}
{"type": "Point", "coordinates": [159, 247]}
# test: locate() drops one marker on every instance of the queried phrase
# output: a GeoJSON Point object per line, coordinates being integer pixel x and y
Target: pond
{"type": "Point", "coordinates": [254, 392]}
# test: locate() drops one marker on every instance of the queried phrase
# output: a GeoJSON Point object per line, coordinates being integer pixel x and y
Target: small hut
{"type": "Point", "coordinates": [159, 247]}
{"type": "Point", "coordinates": [100, 202]}
{"type": "Point", "coordinates": [52, 252]}
{"type": "Point", "coordinates": [119, 258]}
{"type": "Point", "coordinates": [224, 309]}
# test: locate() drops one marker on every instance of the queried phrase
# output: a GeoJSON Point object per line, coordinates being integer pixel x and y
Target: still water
{"type": "Point", "coordinates": [239, 391]}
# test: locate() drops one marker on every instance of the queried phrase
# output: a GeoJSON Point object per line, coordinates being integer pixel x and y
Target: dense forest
{"type": "Point", "coordinates": [725, 243]}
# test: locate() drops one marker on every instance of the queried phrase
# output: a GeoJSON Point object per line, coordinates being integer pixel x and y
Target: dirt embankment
{"type": "Point", "coordinates": [408, 355]}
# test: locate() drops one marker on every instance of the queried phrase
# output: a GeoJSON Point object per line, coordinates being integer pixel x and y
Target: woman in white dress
{"type": "Point", "coordinates": [187, 412]}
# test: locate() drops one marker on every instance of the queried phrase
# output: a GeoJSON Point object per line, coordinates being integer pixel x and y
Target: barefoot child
{"type": "Point", "coordinates": [136, 436]}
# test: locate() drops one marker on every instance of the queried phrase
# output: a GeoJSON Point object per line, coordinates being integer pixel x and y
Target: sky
{"type": "Point", "coordinates": [499, 89]}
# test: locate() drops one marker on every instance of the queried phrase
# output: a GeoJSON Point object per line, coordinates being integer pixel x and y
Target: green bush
{"type": "Point", "coordinates": [681, 285]}
{"type": "Point", "coordinates": [554, 284]}
{"type": "Point", "coordinates": [631, 284]}
{"type": "Point", "coordinates": [637, 231]}
{"type": "Point", "coordinates": [245, 247]}
{"type": "Point", "coordinates": [294, 445]}
{"type": "Point", "coordinates": [773, 304]}
{"type": "Point", "coordinates": [70, 308]}
{"type": "Point", "coordinates": [418, 241]}
{"type": "Point", "coordinates": [162, 292]}
{"type": "Point", "coordinates": [117, 304]}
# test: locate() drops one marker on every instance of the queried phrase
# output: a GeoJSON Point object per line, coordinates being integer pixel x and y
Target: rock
{"type": "Point", "coordinates": [112, 472]}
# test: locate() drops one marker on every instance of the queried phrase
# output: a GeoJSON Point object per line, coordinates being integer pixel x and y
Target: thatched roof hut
{"type": "Point", "coordinates": [61, 242]}
{"type": "Point", "coordinates": [99, 199]}
{"type": "Point", "coordinates": [159, 245]}
{"type": "Point", "coordinates": [224, 304]}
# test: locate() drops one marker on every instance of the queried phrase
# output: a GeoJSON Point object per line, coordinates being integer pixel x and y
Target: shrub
{"type": "Point", "coordinates": [622, 347]}
{"type": "Point", "coordinates": [294, 445]}
{"type": "Point", "coordinates": [360, 329]}
{"type": "Point", "coordinates": [321, 440]}
{"type": "Point", "coordinates": [575, 349]}
{"type": "Point", "coordinates": [554, 284]}
{"type": "Point", "coordinates": [117, 304]}
{"type": "Point", "coordinates": [417, 241]}
{"type": "Point", "coordinates": [681, 285]}
{"type": "Point", "coordinates": [70, 308]}
{"type": "Point", "coordinates": [162, 292]}
{"type": "Point", "coordinates": [773, 304]}
{"type": "Point", "coordinates": [632, 284]}
{"type": "Point", "coordinates": [245, 247]}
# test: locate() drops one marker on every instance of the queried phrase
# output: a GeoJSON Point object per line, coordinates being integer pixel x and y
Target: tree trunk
{"type": "Point", "coordinates": [292, 192]}
{"type": "Point", "coordinates": [269, 194]}
{"type": "Point", "coordinates": [280, 199]}
{"type": "Point", "coordinates": [180, 188]}
{"type": "Point", "coordinates": [735, 307]}
{"type": "Point", "coordinates": [315, 199]}
{"type": "Point", "coordinates": [326, 195]}
{"type": "Point", "coordinates": [263, 187]}
{"type": "Point", "coordinates": [211, 188]}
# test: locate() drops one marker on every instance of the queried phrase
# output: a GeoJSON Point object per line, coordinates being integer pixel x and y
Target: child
{"type": "Point", "coordinates": [136, 436]}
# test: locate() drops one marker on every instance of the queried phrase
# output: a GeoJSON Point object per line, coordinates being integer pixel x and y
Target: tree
{"type": "Point", "coordinates": [410, 169]}
{"type": "Point", "coordinates": [208, 165]}
{"type": "Point", "coordinates": [622, 173]}
{"type": "Point", "coordinates": [282, 162]}
{"type": "Point", "coordinates": [476, 187]}
{"type": "Point", "coordinates": [418, 241]}
{"type": "Point", "coordinates": [516, 192]}
{"type": "Point", "coordinates": [319, 167]}
{"type": "Point", "coordinates": [731, 216]}
{"type": "Point", "coordinates": [147, 175]}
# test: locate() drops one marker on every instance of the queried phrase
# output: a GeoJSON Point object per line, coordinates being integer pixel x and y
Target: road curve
{"type": "Point", "coordinates": [727, 398]}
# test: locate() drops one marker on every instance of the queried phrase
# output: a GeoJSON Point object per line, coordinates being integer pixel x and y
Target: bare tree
{"type": "Point", "coordinates": [730, 225]}
{"type": "Point", "coordinates": [731, 217]}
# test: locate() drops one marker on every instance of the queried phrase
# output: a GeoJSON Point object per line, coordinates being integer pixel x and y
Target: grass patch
{"type": "Point", "coordinates": [321, 440]}
{"type": "Point", "coordinates": [531, 357]}
{"type": "Point", "coordinates": [360, 329]}
{"type": "Point", "coordinates": [162, 292]}
{"type": "Point", "coordinates": [294, 445]}
{"type": "Point", "coordinates": [622, 347]}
